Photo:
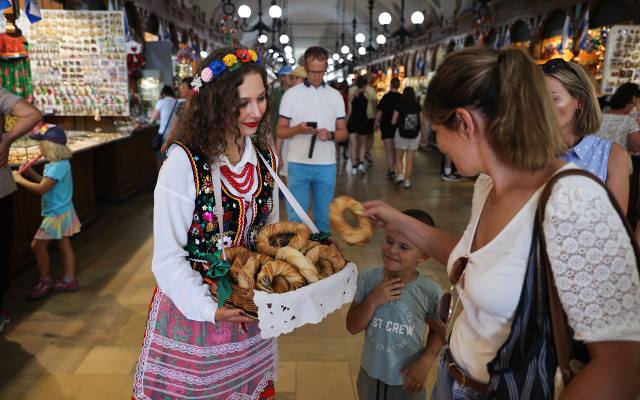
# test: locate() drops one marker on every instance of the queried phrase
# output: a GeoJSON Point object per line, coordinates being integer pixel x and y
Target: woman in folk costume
{"type": "Point", "coordinates": [194, 346]}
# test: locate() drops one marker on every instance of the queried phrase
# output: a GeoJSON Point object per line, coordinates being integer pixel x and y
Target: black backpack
{"type": "Point", "coordinates": [409, 123]}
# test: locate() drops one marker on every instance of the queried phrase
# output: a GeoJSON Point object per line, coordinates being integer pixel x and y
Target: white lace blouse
{"type": "Point", "coordinates": [592, 261]}
{"type": "Point", "coordinates": [174, 199]}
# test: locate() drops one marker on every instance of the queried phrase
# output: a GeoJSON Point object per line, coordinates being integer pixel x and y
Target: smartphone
{"type": "Point", "coordinates": [313, 125]}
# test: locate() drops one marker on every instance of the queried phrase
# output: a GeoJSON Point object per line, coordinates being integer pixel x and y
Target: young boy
{"type": "Point", "coordinates": [392, 303]}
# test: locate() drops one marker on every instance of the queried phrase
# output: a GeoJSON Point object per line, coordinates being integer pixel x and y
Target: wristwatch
{"type": "Point", "coordinates": [332, 135]}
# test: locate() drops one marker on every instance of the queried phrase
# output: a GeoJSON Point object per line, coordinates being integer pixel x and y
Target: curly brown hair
{"type": "Point", "coordinates": [215, 109]}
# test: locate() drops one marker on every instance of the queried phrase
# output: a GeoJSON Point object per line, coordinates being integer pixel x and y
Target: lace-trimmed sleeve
{"type": "Point", "coordinates": [593, 263]}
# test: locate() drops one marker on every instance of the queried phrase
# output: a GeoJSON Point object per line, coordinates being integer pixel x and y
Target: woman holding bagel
{"type": "Point", "coordinates": [494, 117]}
{"type": "Point", "coordinates": [214, 192]}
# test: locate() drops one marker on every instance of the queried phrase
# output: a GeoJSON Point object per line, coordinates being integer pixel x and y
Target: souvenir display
{"type": "Point", "coordinates": [25, 150]}
{"type": "Point", "coordinates": [78, 63]}
{"type": "Point", "coordinates": [622, 60]}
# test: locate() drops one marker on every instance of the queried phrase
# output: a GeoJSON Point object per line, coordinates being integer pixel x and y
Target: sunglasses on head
{"type": "Point", "coordinates": [556, 64]}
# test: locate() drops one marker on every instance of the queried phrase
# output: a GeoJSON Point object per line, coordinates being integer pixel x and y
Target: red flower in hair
{"type": "Point", "coordinates": [244, 55]}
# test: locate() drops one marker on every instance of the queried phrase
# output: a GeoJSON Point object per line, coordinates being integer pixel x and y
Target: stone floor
{"type": "Point", "coordinates": [84, 345]}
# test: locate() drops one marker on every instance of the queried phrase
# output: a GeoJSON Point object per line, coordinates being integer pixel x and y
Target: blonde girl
{"type": "Point", "coordinates": [59, 221]}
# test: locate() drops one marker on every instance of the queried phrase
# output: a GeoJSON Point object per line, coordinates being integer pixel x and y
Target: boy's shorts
{"type": "Point", "coordinates": [374, 389]}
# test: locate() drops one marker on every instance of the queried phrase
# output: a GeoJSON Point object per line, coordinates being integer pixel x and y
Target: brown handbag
{"type": "Point", "coordinates": [571, 354]}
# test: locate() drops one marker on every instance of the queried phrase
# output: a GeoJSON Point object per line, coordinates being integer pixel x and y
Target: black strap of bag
{"type": "Point", "coordinates": [570, 353]}
{"type": "Point", "coordinates": [173, 110]}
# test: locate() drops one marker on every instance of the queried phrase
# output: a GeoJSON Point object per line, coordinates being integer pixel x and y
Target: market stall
{"type": "Point", "coordinates": [78, 62]}
{"type": "Point", "coordinates": [106, 168]}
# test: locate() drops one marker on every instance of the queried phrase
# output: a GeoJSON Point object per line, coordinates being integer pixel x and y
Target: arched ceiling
{"type": "Point", "coordinates": [313, 22]}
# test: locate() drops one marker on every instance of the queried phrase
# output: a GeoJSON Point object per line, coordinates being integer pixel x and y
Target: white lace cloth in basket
{"type": "Point", "coordinates": [282, 313]}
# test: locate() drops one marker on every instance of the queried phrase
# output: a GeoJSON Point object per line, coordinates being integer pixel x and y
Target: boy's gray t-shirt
{"type": "Point", "coordinates": [7, 101]}
{"type": "Point", "coordinates": [395, 335]}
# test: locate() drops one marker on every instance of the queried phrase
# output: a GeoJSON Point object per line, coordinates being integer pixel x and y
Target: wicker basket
{"type": "Point", "coordinates": [239, 298]}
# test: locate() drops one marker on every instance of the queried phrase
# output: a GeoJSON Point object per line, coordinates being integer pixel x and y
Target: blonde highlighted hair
{"type": "Point", "coordinates": [54, 151]}
{"type": "Point", "coordinates": [580, 86]}
{"type": "Point", "coordinates": [508, 88]}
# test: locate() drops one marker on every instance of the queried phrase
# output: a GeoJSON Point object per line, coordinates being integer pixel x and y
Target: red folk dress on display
{"type": "Point", "coordinates": [14, 63]}
{"type": "Point", "coordinates": [183, 358]}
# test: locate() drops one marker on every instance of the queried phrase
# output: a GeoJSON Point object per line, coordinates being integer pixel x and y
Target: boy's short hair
{"type": "Point", "coordinates": [421, 216]}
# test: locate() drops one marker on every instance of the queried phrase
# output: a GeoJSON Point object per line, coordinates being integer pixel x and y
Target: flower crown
{"type": "Point", "coordinates": [230, 62]}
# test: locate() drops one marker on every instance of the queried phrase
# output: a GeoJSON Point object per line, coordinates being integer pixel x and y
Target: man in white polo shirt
{"type": "Point", "coordinates": [312, 117]}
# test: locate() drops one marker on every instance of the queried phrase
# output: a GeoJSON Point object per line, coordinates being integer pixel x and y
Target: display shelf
{"type": "Point", "coordinates": [25, 149]}
{"type": "Point", "coordinates": [622, 61]}
{"type": "Point", "coordinates": [78, 63]}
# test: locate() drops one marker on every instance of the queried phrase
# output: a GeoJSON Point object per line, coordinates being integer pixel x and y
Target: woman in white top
{"type": "Point", "coordinates": [163, 112]}
{"type": "Point", "coordinates": [214, 191]}
{"type": "Point", "coordinates": [493, 115]}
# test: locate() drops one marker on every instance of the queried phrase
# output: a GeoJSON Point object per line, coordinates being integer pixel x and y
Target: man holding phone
{"type": "Point", "coordinates": [312, 116]}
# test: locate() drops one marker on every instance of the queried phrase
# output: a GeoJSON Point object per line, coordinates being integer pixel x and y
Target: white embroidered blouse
{"type": "Point", "coordinates": [174, 201]}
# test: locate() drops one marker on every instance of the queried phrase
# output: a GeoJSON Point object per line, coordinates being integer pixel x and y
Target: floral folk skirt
{"type": "Point", "coordinates": [185, 359]}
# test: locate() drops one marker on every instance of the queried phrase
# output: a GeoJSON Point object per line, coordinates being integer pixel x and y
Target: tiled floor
{"type": "Point", "coordinates": [84, 345]}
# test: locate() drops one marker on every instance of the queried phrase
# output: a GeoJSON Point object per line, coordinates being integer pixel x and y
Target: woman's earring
{"type": "Point", "coordinates": [578, 111]}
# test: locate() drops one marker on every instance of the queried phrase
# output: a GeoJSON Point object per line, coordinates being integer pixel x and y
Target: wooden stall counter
{"type": "Point", "coordinates": [123, 168]}
{"type": "Point", "coordinates": [106, 167]}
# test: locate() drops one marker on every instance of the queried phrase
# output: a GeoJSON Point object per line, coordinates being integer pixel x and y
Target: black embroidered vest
{"type": "Point", "coordinates": [204, 234]}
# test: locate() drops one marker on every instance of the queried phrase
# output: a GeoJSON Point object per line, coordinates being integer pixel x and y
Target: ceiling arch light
{"type": "Point", "coordinates": [381, 39]}
{"type": "Point", "coordinates": [335, 56]}
{"type": "Point", "coordinates": [263, 39]}
{"type": "Point", "coordinates": [360, 38]}
{"type": "Point", "coordinates": [417, 18]}
{"type": "Point", "coordinates": [330, 61]}
{"type": "Point", "coordinates": [280, 59]}
{"type": "Point", "coordinates": [362, 51]}
{"type": "Point", "coordinates": [340, 61]}
{"type": "Point", "coordinates": [349, 57]}
{"type": "Point", "coordinates": [259, 26]}
{"type": "Point", "coordinates": [288, 49]}
{"type": "Point", "coordinates": [275, 11]}
{"type": "Point", "coordinates": [270, 51]}
{"type": "Point", "coordinates": [276, 54]}
{"type": "Point", "coordinates": [203, 54]}
{"type": "Point", "coordinates": [284, 39]}
{"type": "Point", "coordinates": [344, 49]}
{"type": "Point", "coordinates": [244, 11]}
{"type": "Point", "coordinates": [384, 18]}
